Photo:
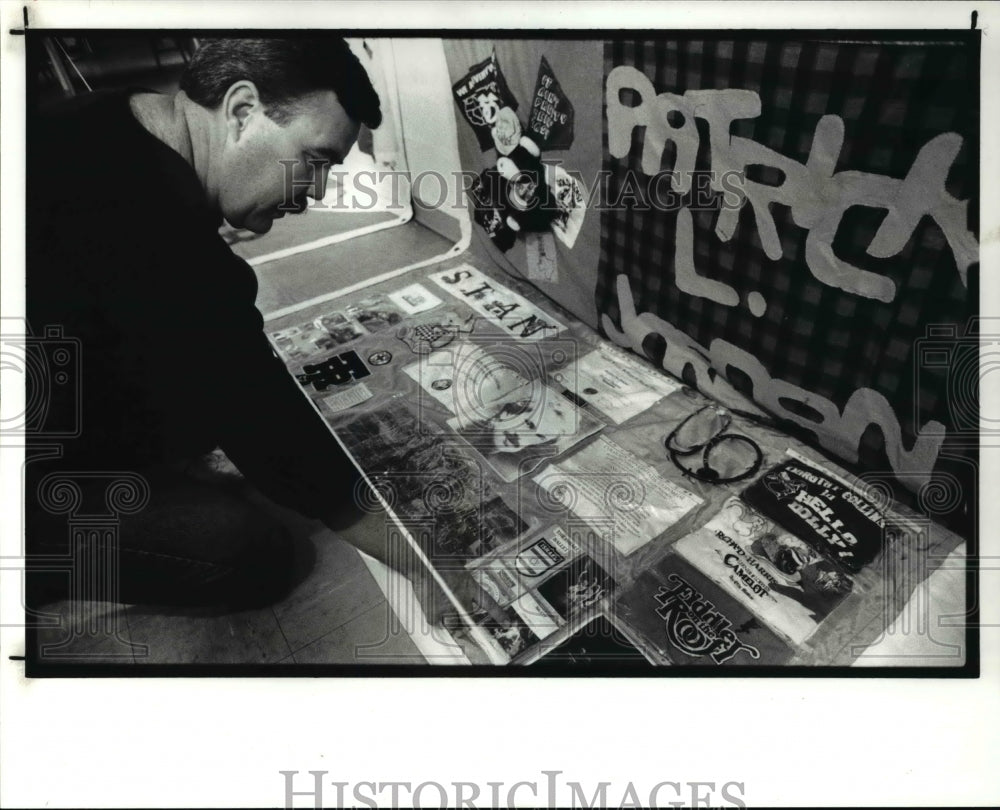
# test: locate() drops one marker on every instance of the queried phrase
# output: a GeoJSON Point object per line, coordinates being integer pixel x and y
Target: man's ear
{"type": "Point", "coordinates": [239, 103]}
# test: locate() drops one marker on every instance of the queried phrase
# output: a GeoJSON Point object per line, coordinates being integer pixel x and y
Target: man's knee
{"type": "Point", "coordinates": [223, 548]}
{"type": "Point", "coordinates": [193, 543]}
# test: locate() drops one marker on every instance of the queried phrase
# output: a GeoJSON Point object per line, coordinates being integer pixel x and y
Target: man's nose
{"type": "Point", "coordinates": [321, 174]}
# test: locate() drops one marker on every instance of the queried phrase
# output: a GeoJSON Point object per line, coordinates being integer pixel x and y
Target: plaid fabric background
{"type": "Point", "coordinates": [893, 99]}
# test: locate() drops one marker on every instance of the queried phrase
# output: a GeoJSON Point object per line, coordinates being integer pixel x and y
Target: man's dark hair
{"type": "Point", "coordinates": [283, 70]}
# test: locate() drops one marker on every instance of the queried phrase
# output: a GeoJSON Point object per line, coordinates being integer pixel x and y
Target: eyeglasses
{"type": "Point", "coordinates": [724, 457]}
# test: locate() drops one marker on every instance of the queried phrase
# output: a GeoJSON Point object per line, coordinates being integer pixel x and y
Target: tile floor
{"type": "Point", "coordinates": [336, 614]}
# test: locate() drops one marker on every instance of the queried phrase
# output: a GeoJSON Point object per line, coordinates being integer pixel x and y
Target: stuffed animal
{"type": "Point", "coordinates": [530, 203]}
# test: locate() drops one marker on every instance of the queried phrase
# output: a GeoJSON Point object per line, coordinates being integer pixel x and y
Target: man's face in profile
{"type": "Point", "coordinates": [256, 187]}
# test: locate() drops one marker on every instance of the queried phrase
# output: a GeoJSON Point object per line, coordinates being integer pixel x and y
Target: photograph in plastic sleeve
{"type": "Point", "coordinates": [323, 334]}
{"type": "Point", "coordinates": [303, 342]}
{"type": "Point", "coordinates": [598, 643]}
{"type": "Point", "coordinates": [339, 327]}
{"type": "Point", "coordinates": [543, 554]}
{"type": "Point", "coordinates": [514, 569]}
{"type": "Point", "coordinates": [376, 313]}
{"type": "Point", "coordinates": [622, 496]}
{"type": "Point", "coordinates": [425, 479]}
{"type": "Point", "coordinates": [685, 618]}
{"type": "Point", "coordinates": [510, 632]}
{"type": "Point", "coordinates": [454, 536]}
{"type": "Point", "coordinates": [578, 587]}
{"type": "Point", "coordinates": [498, 583]}
{"type": "Point", "coordinates": [781, 579]}
{"type": "Point", "coordinates": [498, 524]}
{"type": "Point", "coordinates": [527, 617]}
{"type": "Point", "coordinates": [513, 421]}
{"type": "Point", "coordinates": [507, 630]}
{"type": "Point", "coordinates": [392, 440]}
{"type": "Point", "coordinates": [524, 432]}
{"type": "Point", "coordinates": [469, 381]}
{"type": "Point", "coordinates": [618, 385]}
{"type": "Point", "coordinates": [835, 519]}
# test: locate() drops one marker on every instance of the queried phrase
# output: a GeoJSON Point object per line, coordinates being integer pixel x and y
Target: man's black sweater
{"type": "Point", "coordinates": [123, 253]}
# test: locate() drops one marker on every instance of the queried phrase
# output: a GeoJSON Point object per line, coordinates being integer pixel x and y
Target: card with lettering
{"type": "Point", "coordinates": [543, 554]}
{"type": "Point", "coordinates": [781, 579]}
{"type": "Point", "coordinates": [343, 400]}
{"type": "Point", "coordinates": [615, 382]}
{"type": "Point", "coordinates": [685, 618]}
{"type": "Point", "coordinates": [513, 314]}
{"type": "Point", "coordinates": [524, 432]}
{"type": "Point", "coordinates": [550, 123]}
{"type": "Point", "coordinates": [482, 95]}
{"type": "Point", "coordinates": [812, 504]}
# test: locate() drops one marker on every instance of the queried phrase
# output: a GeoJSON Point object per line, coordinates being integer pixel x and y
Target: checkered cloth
{"type": "Point", "coordinates": [893, 98]}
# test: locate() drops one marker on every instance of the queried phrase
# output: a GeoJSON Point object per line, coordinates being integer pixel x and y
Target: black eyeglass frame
{"type": "Point", "coordinates": [707, 473]}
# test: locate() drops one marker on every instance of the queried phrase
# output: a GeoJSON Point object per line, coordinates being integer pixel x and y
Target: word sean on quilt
{"type": "Point", "coordinates": [511, 312]}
